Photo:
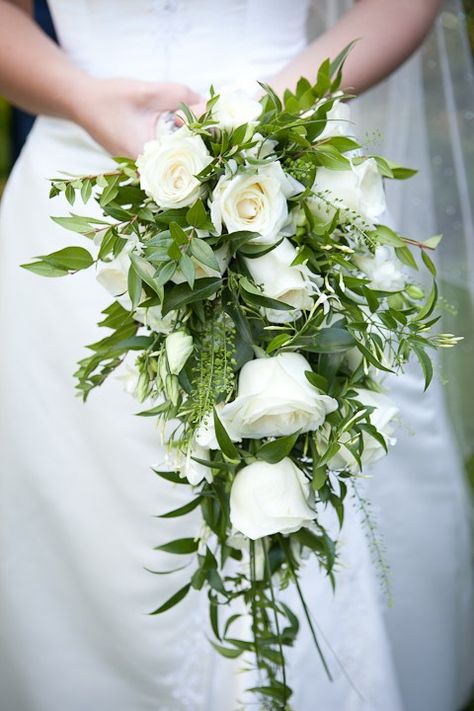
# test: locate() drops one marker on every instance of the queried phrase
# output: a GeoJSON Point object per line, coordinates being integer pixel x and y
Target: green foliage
{"type": "Point", "coordinates": [176, 280]}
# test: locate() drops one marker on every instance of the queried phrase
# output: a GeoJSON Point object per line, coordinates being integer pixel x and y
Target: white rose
{"type": "Point", "coordinates": [254, 200]}
{"type": "Point", "coordinates": [235, 107]}
{"type": "Point", "coordinates": [270, 498]}
{"type": "Point", "coordinates": [381, 418]}
{"type": "Point", "coordinates": [168, 166]}
{"type": "Point", "coordinates": [275, 398]}
{"type": "Point", "coordinates": [178, 346]}
{"type": "Point", "coordinates": [279, 280]}
{"type": "Point", "coordinates": [359, 189]}
{"type": "Point", "coordinates": [338, 121]}
{"type": "Point", "coordinates": [383, 269]}
{"type": "Point", "coordinates": [203, 270]}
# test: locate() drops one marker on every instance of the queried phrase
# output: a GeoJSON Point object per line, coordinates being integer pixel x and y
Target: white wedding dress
{"type": "Point", "coordinates": [77, 496]}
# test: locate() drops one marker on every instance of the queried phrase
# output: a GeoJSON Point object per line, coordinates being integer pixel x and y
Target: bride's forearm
{"type": "Point", "coordinates": [35, 74]}
{"type": "Point", "coordinates": [389, 31]}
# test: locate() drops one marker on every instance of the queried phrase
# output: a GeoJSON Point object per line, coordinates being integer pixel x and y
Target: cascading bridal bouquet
{"type": "Point", "coordinates": [261, 294]}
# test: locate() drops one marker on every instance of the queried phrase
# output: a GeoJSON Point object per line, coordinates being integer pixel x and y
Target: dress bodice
{"type": "Point", "coordinates": [196, 42]}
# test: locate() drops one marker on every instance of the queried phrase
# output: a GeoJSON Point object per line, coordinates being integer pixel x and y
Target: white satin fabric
{"type": "Point", "coordinates": [77, 496]}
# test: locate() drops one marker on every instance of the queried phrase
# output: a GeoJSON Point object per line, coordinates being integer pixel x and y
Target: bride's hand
{"type": "Point", "coordinates": [121, 114]}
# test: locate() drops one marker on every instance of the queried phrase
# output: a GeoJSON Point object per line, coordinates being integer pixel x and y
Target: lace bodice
{"type": "Point", "coordinates": [197, 42]}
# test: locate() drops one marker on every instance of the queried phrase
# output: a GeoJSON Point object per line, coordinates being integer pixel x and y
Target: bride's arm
{"type": "Point", "coordinates": [36, 75]}
{"type": "Point", "coordinates": [388, 31]}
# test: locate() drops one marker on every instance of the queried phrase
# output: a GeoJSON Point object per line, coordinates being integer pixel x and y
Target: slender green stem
{"type": "Point", "coordinates": [305, 608]}
{"type": "Point", "coordinates": [253, 605]}
{"type": "Point", "coordinates": [277, 624]}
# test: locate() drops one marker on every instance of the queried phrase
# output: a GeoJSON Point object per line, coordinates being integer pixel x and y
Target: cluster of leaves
{"type": "Point", "coordinates": [224, 314]}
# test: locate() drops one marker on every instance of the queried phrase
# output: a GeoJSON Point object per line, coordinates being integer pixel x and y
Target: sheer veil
{"type": "Point", "coordinates": [423, 117]}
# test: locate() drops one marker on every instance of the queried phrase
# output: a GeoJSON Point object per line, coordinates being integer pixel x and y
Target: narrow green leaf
{"type": "Point", "coordinates": [181, 294]}
{"type": "Point", "coordinates": [319, 381]}
{"type": "Point", "coordinates": [426, 365]}
{"type": "Point", "coordinates": [134, 286]}
{"type": "Point", "coordinates": [182, 510]}
{"type": "Point", "coordinates": [45, 269]}
{"type": "Point", "coordinates": [204, 253]}
{"type": "Point", "coordinates": [187, 268]}
{"type": "Point", "coordinates": [180, 546]}
{"type": "Point", "coordinates": [173, 600]}
{"type": "Point", "coordinates": [86, 190]}
{"type": "Point", "coordinates": [226, 445]}
{"type": "Point", "coordinates": [273, 452]}
{"type": "Point", "coordinates": [172, 477]}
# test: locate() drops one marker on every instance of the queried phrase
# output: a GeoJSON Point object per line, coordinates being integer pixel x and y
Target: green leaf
{"type": "Point", "coordinates": [320, 474]}
{"type": "Point", "coordinates": [178, 235]}
{"type": "Point", "coordinates": [404, 254]}
{"type": "Point", "coordinates": [173, 600]}
{"type": "Point", "coordinates": [134, 286]}
{"type": "Point", "coordinates": [428, 262]}
{"type": "Point", "coordinates": [187, 268]}
{"type": "Point", "coordinates": [173, 477]}
{"type": "Point", "coordinates": [180, 546]}
{"type": "Point", "coordinates": [225, 443]}
{"type": "Point", "coordinates": [255, 297]}
{"type": "Point", "coordinates": [145, 271]}
{"type": "Point", "coordinates": [228, 652]}
{"type": "Point", "coordinates": [45, 269]}
{"type": "Point", "coordinates": [110, 192]}
{"type": "Point", "coordinates": [433, 242]}
{"type": "Point", "coordinates": [70, 194]}
{"type": "Point", "coordinates": [204, 253]}
{"type": "Point", "coordinates": [278, 341]}
{"type": "Point", "coordinates": [165, 272]}
{"type": "Point", "coordinates": [182, 510]}
{"type": "Point", "coordinates": [429, 304]}
{"type": "Point", "coordinates": [76, 223]}
{"type": "Point", "coordinates": [327, 340]}
{"type": "Point", "coordinates": [385, 235]}
{"type": "Point", "coordinates": [319, 381]}
{"type": "Point", "coordinates": [273, 452]}
{"type": "Point", "coordinates": [86, 189]}
{"type": "Point", "coordinates": [181, 294]}
{"type": "Point", "coordinates": [73, 258]}
{"type": "Point", "coordinates": [197, 216]}
{"type": "Point", "coordinates": [337, 63]}
{"type": "Point", "coordinates": [329, 157]}
{"type": "Point", "coordinates": [426, 365]}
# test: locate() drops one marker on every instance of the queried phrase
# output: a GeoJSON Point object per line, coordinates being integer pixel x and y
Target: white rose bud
{"type": "Point", "coordinates": [168, 166]}
{"type": "Point", "coordinates": [275, 398]}
{"type": "Point", "coordinates": [235, 107]}
{"type": "Point", "coordinates": [270, 498]}
{"type": "Point", "coordinates": [359, 189]}
{"type": "Point", "coordinates": [383, 269]}
{"type": "Point", "coordinates": [154, 319]}
{"type": "Point", "coordinates": [129, 377]}
{"type": "Point", "coordinates": [382, 418]}
{"type": "Point", "coordinates": [179, 346]}
{"type": "Point", "coordinates": [113, 276]}
{"type": "Point", "coordinates": [279, 280]}
{"type": "Point", "coordinates": [254, 200]}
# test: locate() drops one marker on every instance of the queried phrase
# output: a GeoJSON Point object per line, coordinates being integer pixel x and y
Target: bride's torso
{"type": "Point", "coordinates": [196, 42]}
